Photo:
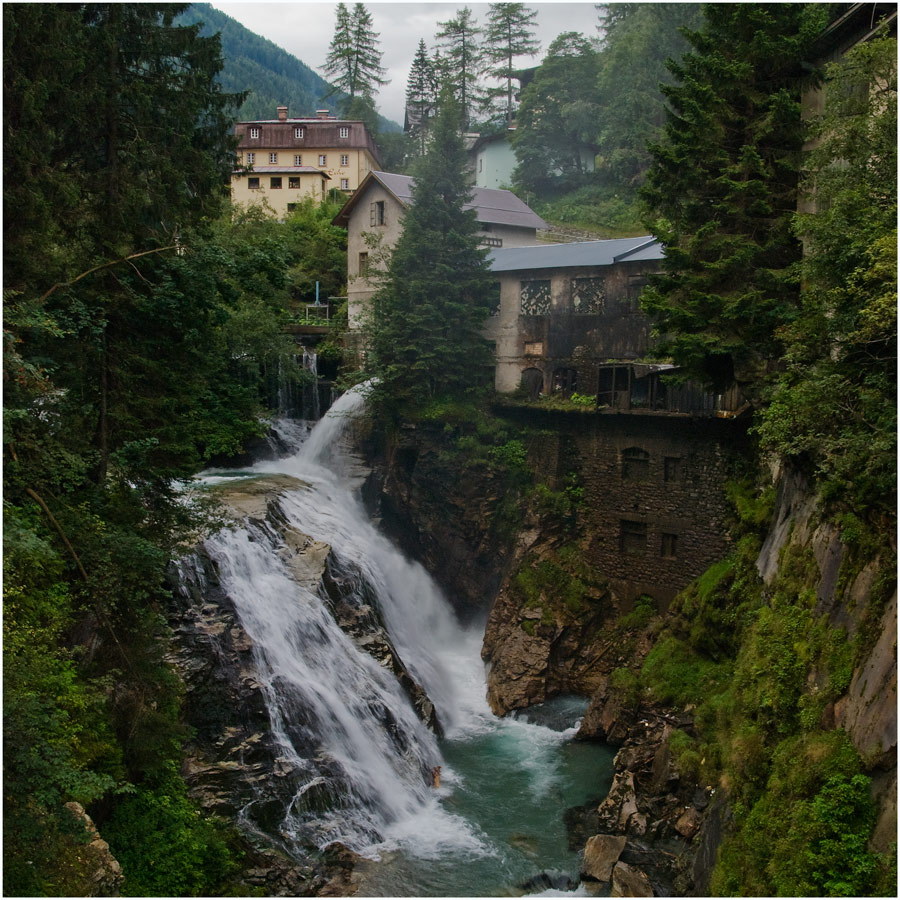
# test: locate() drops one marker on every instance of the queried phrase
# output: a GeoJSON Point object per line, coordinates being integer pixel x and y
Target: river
{"type": "Point", "coordinates": [362, 756]}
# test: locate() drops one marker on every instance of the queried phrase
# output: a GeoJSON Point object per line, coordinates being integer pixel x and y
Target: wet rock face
{"type": "Point", "coordinates": [234, 766]}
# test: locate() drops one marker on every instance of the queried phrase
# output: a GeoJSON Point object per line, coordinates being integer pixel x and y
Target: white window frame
{"type": "Point", "coordinates": [345, 131]}
{"type": "Point", "coordinates": [345, 159]}
{"type": "Point", "coordinates": [254, 132]}
{"type": "Point", "coordinates": [251, 158]}
{"type": "Point", "coordinates": [345, 184]}
{"type": "Point", "coordinates": [273, 158]}
{"type": "Point", "coordinates": [298, 159]}
{"type": "Point", "coordinates": [298, 132]}
{"type": "Point", "coordinates": [323, 159]}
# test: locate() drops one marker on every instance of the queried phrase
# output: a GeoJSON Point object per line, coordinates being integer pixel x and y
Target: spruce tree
{"type": "Point", "coordinates": [428, 316]}
{"type": "Point", "coordinates": [722, 191]}
{"type": "Point", "coordinates": [462, 60]}
{"type": "Point", "coordinates": [508, 35]}
{"type": "Point", "coordinates": [354, 60]}
{"type": "Point", "coordinates": [421, 95]}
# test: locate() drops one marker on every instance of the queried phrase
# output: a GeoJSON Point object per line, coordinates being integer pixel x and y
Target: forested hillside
{"type": "Point", "coordinates": [271, 76]}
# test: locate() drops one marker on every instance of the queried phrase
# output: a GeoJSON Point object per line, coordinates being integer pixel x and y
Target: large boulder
{"type": "Point", "coordinates": [601, 853]}
{"type": "Point", "coordinates": [628, 881]}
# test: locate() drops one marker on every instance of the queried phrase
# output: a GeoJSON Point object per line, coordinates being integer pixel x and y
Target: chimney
{"type": "Point", "coordinates": [282, 114]}
{"type": "Point", "coordinates": [321, 113]}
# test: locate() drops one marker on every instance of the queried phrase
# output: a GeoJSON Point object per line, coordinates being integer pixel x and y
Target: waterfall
{"type": "Point", "coordinates": [311, 410]}
{"type": "Point", "coordinates": [360, 755]}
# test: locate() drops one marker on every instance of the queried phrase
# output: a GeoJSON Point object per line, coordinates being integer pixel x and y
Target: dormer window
{"type": "Point", "coordinates": [298, 132]}
{"type": "Point", "coordinates": [345, 132]}
{"type": "Point", "coordinates": [254, 132]}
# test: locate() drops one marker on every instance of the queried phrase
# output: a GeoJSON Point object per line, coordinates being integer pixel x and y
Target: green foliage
{"type": "Point", "coordinates": [461, 62]}
{"type": "Point", "coordinates": [639, 38]}
{"type": "Point", "coordinates": [721, 189]}
{"type": "Point", "coordinates": [426, 334]}
{"type": "Point", "coordinates": [626, 686]}
{"type": "Point", "coordinates": [555, 132]}
{"type": "Point", "coordinates": [639, 617]}
{"type": "Point", "coordinates": [606, 211]}
{"type": "Point", "coordinates": [508, 34]}
{"type": "Point", "coordinates": [559, 583]}
{"type": "Point", "coordinates": [166, 847]}
{"type": "Point", "coordinates": [354, 60]}
{"type": "Point", "coordinates": [835, 406]}
{"type": "Point", "coordinates": [825, 813]}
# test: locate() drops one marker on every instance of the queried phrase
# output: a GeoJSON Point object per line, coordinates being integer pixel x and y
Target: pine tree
{"type": "Point", "coordinates": [354, 60]}
{"type": "Point", "coordinates": [462, 60]}
{"type": "Point", "coordinates": [428, 316]}
{"type": "Point", "coordinates": [508, 35]}
{"type": "Point", "coordinates": [421, 95]}
{"type": "Point", "coordinates": [722, 189]}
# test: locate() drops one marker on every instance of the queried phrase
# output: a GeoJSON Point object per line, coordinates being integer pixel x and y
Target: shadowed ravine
{"type": "Point", "coordinates": [346, 727]}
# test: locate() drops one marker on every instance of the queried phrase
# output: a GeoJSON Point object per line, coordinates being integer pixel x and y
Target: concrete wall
{"type": "Point", "coordinates": [311, 185]}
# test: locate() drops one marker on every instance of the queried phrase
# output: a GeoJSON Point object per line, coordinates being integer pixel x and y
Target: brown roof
{"type": "Point", "coordinates": [317, 134]}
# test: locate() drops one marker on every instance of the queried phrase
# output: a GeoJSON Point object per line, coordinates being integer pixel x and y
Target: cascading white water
{"type": "Point", "coordinates": [369, 774]}
{"type": "Point", "coordinates": [348, 731]}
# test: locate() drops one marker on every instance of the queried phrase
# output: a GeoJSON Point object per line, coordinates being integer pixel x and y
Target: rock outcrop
{"type": "Point", "coordinates": [101, 869]}
{"type": "Point", "coordinates": [233, 766]}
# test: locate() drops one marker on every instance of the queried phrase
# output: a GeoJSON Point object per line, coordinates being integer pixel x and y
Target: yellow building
{"type": "Point", "coordinates": [283, 160]}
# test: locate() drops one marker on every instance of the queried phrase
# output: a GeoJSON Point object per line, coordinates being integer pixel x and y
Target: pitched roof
{"type": "Point", "coordinates": [491, 206]}
{"type": "Point", "coordinates": [578, 253]}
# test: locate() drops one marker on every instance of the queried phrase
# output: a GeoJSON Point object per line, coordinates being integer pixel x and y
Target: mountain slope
{"type": "Point", "coordinates": [272, 76]}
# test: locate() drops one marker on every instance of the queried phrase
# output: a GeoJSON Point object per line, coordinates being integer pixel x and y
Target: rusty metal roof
{"type": "Point", "coordinates": [577, 254]}
{"type": "Point", "coordinates": [492, 206]}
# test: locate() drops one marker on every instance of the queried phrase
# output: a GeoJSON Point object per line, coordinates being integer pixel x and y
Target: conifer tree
{"type": "Point", "coordinates": [421, 95]}
{"type": "Point", "coordinates": [428, 316]}
{"type": "Point", "coordinates": [354, 60]}
{"type": "Point", "coordinates": [722, 190]}
{"type": "Point", "coordinates": [508, 35]}
{"type": "Point", "coordinates": [462, 60]}
{"type": "Point", "coordinates": [555, 137]}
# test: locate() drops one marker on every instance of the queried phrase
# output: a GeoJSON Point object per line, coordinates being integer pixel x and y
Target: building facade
{"type": "Point", "coordinates": [283, 160]}
{"type": "Point", "coordinates": [373, 217]}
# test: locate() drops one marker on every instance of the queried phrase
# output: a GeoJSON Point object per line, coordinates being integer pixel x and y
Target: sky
{"type": "Point", "coordinates": [305, 30]}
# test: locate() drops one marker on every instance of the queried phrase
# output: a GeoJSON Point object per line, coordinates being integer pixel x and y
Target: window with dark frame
{"type": "Point", "coordinates": [672, 468]}
{"type": "Point", "coordinates": [275, 182]}
{"type": "Point", "coordinates": [376, 212]}
{"type": "Point", "coordinates": [633, 537]}
{"type": "Point", "coordinates": [294, 182]}
{"type": "Point", "coordinates": [364, 264]}
{"type": "Point", "coordinates": [253, 183]}
{"type": "Point", "coordinates": [635, 464]}
{"type": "Point", "coordinates": [669, 546]}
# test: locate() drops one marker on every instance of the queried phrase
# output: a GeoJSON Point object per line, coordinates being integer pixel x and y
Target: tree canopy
{"type": "Point", "coordinates": [508, 35]}
{"type": "Point", "coordinates": [426, 332]}
{"type": "Point", "coordinates": [722, 189]}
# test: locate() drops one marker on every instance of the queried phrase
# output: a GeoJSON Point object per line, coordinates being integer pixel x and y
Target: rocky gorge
{"type": "Point", "coordinates": [552, 625]}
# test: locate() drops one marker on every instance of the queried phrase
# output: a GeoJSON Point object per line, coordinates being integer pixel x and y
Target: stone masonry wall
{"type": "Point", "coordinates": [654, 508]}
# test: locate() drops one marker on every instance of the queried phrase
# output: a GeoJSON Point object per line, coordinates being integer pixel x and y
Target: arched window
{"type": "Point", "coordinates": [635, 464]}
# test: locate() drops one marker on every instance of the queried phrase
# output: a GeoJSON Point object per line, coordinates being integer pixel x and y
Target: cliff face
{"type": "Point", "coordinates": [571, 610]}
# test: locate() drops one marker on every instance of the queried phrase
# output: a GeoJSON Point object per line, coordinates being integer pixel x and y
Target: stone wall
{"type": "Point", "coordinates": [654, 510]}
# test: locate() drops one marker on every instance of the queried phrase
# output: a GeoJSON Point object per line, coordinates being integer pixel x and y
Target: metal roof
{"type": "Point", "coordinates": [576, 254]}
{"type": "Point", "coordinates": [491, 206]}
